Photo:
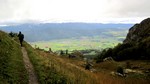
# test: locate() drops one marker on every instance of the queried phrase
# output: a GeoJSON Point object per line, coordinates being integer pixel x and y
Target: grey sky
{"type": "Point", "coordinates": [116, 11]}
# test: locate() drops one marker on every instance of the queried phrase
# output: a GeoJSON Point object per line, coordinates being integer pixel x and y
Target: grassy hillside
{"type": "Point", "coordinates": [56, 69]}
{"type": "Point", "coordinates": [52, 69]}
{"type": "Point", "coordinates": [12, 69]}
{"type": "Point", "coordinates": [46, 74]}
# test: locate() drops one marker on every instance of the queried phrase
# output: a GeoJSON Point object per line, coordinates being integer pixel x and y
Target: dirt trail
{"type": "Point", "coordinates": [29, 67]}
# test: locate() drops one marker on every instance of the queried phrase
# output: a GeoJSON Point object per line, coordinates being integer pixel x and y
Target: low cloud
{"type": "Point", "coordinates": [74, 10]}
{"type": "Point", "coordinates": [133, 8]}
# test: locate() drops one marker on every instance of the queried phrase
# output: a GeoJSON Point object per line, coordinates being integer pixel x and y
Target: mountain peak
{"type": "Point", "coordinates": [138, 32]}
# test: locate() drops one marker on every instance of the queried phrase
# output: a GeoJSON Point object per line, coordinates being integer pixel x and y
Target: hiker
{"type": "Point", "coordinates": [21, 37]}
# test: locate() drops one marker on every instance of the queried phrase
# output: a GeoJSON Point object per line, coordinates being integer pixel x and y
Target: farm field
{"type": "Point", "coordinates": [80, 43]}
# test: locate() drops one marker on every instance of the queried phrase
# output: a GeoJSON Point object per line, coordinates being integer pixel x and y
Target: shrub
{"type": "Point", "coordinates": [12, 34]}
{"type": "Point", "coordinates": [128, 65]}
{"type": "Point", "coordinates": [120, 70]}
{"type": "Point", "coordinates": [99, 60]}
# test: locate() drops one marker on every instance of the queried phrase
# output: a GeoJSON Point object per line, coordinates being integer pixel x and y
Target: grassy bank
{"type": "Point", "coordinates": [51, 69]}
{"type": "Point", "coordinates": [46, 74]}
{"type": "Point", "coordinates": [55, 69]}
{"type": "Point", "coordinates": [12, 69]}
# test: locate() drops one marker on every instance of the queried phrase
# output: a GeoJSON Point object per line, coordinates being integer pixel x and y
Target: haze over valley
{"type": "Point", "coordinates": [71, 35]}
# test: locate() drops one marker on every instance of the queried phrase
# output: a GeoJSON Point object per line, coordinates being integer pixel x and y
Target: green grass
{"type": "Point", "coordinates": [82, 43]}
{"type": "Point", "coordinates": [46, 74]}
{"type": "Point", "coordinates": [53, 70]}
{"type": "Point", "coordinates": [106, 39]}
{"type": "Point", "coordinates": [12, 69]}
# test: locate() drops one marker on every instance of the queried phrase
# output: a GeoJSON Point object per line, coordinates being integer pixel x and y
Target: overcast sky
{"type": "Point", "coordinates": [105, 11]}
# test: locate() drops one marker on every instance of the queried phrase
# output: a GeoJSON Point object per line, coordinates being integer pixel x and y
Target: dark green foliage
{"type": "Point", "coordinates": [105, 53]}
{"type": "Point", "coordinates": [108, 53]}
{"type": "Point", "coordinates": [50, 50]}
{"type": "Point", "coordinates": [120, 70]}
{"type": "Point", "coordinates": [61, 52]}
{"type": "Point", "coordinates": [128, 65]}
{"type": "Point", "coordinates": [87, 66]}
{"type": "Point", "coordinates": [99, 60]}
{"type": "Point", "coordinates": [127, 51]}
{"type": "Point", "coordinates": [66, 52]}
{"type": "Point", "coordinates": [12, 34]}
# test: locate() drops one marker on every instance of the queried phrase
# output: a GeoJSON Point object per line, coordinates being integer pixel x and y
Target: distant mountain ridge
{"type": "Point", "coordinates": [51, 31]}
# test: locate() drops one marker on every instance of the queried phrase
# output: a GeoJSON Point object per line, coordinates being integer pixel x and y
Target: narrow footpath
{"type": "Point", "coordinates": [29, 67]}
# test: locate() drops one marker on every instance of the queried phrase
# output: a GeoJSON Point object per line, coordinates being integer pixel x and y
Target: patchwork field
{"type": "Point", "coordinates": [81, 43]}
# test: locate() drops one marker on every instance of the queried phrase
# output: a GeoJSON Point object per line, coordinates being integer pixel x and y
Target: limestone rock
{"type": "Point", "coordinates": [138, 32]}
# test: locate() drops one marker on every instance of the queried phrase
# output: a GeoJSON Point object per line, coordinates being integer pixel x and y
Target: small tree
{"type": "Point", "coordinates": [50, 50]}
{"type": "Point", "coordinates": [12, 34]}
{"type": "Point", "coordinates": [61, 52]}
{"type": "Point", "coordinates": [66, 52]}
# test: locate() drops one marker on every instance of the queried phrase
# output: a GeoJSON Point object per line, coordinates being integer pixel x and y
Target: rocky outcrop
{"type": "Point", "coordinates": [136, 46]}
{"type": "Point", "coordinates": [138, 32]}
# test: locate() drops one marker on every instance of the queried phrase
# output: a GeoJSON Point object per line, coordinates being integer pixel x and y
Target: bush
{"type": "Point", "coordinates": [120, 70]}
{"type": "Point", "coordinates": [128, 65]}
{"type": "Point", "coordinates": [99, 60]}
{"type": "Point", "coordinates": [134, 51]}
{"type": "Point", "coordinates": [12, 34]}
